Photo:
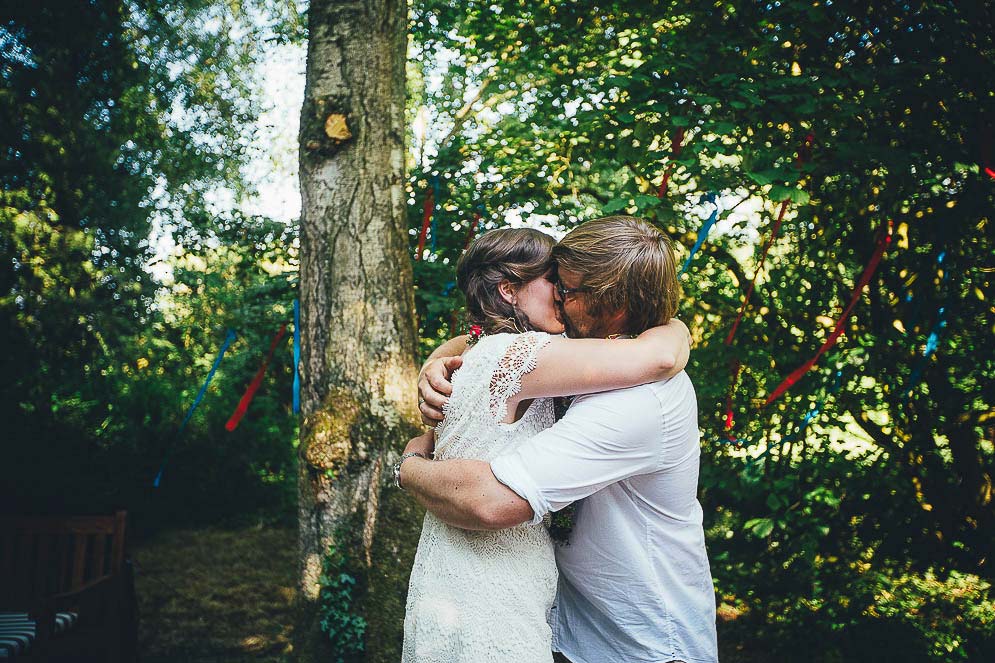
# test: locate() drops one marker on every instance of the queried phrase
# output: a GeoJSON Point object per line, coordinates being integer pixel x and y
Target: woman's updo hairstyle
{"type": "Point", "coordinates": [519, 255]}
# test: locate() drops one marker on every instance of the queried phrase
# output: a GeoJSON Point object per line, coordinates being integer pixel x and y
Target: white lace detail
{"type": "Point", "coordinates": [517, 361]}
{"type": "Point", "coordinates": [483, 597]}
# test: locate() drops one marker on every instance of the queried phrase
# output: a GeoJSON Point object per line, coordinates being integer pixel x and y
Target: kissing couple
{"type": "Point", "coordinates": [631, 581]}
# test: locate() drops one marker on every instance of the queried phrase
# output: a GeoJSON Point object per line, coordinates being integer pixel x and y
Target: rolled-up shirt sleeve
{"type": "Point", "coordinates": [602, 439]}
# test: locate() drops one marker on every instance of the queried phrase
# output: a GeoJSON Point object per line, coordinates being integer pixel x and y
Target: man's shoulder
{"type": "Point", "coordinates": [643, 394]}
{"type": "Point", "coordinates": [631, 400]}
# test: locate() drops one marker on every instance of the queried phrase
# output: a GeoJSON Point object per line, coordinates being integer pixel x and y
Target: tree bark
{"type": "Point", "coordinates": [358, 394]}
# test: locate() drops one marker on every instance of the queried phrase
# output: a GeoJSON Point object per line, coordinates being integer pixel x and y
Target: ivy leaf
{"type": "Point", "coordinates": [615, 205]}
{"type": "Point", "coordinates": [763, 178]}
{"type": "Point", "coordinates": [779, 193]}
{"type": "Point", "coordinates": [723, 127]}
{"type": "Point", "coordinates": [799, 197]}
{"type": "Point", "coordinates": [761, 527]}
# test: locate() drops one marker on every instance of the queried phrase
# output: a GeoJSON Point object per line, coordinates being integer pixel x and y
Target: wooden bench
{"type": "Point", "coordinates": [66, 590]}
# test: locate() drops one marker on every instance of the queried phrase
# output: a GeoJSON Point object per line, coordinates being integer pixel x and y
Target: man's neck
{"type": "Point", "coordinates": [613, 329]}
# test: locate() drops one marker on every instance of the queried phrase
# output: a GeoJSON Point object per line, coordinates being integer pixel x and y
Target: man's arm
{"type": "Point", "coordinates": [462, 493]}
{"type": "Point", "coordinates": [602, 439]}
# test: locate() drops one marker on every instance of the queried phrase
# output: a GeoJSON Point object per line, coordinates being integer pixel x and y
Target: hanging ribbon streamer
{"type": "Point", "coordinates": [428, 210]}
{"type": "Point", "coordinates": [760, 265]}
{"type": "Point", "coordinates": [986, 153]}
{"type": "Point", "coordinates": [473, 227]}
{"type": "Point", "coordinates": [297, 357]}
{"type": "Point", "coordinates": [250, 392]}
{"type": "Point", "coordinates": [917, 308]}
{"type": "Point", "coordinates": [933, 340]}
{"type": "Point", "coordinates": [676, 145]}
{"type": "Point", "coordinates": [884, 239]}
{"type": "Point", "coordinates": [736, 367]}
{"type": "Point", "coordinates": [809, 418]}
{"type": "Point", "coordinates": [702, 232]}
{"type": "Point", "coordinates": [435, 215]}
{"type": "Point", "coordinates": [804, 155]}
{"type": "Point", "coordinates": [932, 345]}
{"type": "Point", "coordinates": [229, 339]}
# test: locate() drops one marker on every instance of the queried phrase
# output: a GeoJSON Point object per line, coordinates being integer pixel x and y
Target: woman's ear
{"type": "Point", "coordinates": [507, 292]}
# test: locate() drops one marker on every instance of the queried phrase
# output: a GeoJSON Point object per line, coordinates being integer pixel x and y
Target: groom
{"type": "Point", "coordinates": [634, 579]}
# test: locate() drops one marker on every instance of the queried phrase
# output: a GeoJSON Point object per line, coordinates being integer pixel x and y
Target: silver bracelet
{"type": "Point", "coordinates": [397, 466]}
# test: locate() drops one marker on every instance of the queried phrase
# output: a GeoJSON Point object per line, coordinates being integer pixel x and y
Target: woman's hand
{"type": "Point", "coordinates": [423, 444]}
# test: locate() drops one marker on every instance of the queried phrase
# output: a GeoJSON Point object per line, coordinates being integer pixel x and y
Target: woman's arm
{"type": "Point", "coordinates": [570, 366]}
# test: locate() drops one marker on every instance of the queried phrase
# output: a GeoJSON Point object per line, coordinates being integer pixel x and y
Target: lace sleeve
{"type": "Point", "coordinates": [517, 361]}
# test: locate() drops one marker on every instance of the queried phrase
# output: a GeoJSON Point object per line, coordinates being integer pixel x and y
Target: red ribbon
{"type": "Point", "coordinates": [986, 152]}
{"type": "Point", "coordinates": [473, 230]}
{"type": "Point", "coordinates": [427, 210]}
{"type": "Point", "coordinates": [675, 151]}
{"type": "Point", "coordinates": [804, 155]}
{"type": "Point", "coordinates": [736, 366]}
{"type": "Point", "coordinates": [250, 392]}
{"type": "Point", "coordinates": [760, 266]}
{"type": "Point", "coordinates": [883, 241]}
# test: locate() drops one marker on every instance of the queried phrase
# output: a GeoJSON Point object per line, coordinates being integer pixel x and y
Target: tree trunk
{"type": "Point", "coordinates": [358, 395]}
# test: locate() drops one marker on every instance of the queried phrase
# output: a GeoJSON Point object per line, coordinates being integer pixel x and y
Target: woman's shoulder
{"type": "Point", "coordinates": [499, 344]}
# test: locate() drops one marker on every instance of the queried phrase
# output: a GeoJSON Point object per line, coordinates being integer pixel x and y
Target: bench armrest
{"type": "Point", "coordinates": [84, 599]}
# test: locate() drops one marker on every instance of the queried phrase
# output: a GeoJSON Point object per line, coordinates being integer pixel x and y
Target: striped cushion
{"type": "Point", "coordinates": [17, 632]}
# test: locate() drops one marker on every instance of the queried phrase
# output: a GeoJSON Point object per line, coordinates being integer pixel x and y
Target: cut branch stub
{"type": "Point", "coordinates": [336, 128]}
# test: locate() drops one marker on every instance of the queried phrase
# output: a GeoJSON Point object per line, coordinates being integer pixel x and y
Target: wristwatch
{"type": "Point", "coordinates": [397, 466]}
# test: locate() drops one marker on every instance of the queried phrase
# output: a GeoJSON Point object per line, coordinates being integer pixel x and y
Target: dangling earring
{"type": "Point", "coordinates": [519, 321]}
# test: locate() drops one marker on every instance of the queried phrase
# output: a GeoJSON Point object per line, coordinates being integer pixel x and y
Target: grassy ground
{"type": "Point", "coordinates": [226, 595]}
{"type": "Point", "coordinates": [216, 595]}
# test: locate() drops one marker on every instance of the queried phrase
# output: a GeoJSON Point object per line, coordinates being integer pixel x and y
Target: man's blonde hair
{"type": "Point", "coordinates": [626, 264]}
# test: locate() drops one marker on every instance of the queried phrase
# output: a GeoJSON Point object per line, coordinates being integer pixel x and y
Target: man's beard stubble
{"type": "Point", "coordinates": [569, 328]}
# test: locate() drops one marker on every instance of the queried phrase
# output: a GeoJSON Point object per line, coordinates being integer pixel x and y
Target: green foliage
{"type": "Point", "coordinates": [123, 118]}
{"type": "Point", "coordinates": [336, 607]}
{"type": "Point", "coordinates": [561, 112]}
{"type": "Point", "coordinates": [870, 528]}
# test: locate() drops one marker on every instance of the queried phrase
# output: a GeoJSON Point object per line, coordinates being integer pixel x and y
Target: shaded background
{"type": "Point", "coordinates": [853, 515]}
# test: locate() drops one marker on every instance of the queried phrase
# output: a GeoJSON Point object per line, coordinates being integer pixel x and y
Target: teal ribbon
{"type": "Point", "coordinates": [229, 339]}
{"type": "Point", "coordinates": [297, 356]}
{"type": "Point", "coordinates": [702, 232]}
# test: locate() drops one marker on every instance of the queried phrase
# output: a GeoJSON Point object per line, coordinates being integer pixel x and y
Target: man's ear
{"type": "Point", "coordinates": [507, 291]}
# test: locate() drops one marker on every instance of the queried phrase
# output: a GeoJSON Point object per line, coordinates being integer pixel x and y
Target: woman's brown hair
{"type": "Point", "coordinates": [519, 255]}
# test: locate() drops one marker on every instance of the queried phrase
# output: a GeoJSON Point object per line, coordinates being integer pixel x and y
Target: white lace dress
{"type": "Point", "coordinates": [483, 597]}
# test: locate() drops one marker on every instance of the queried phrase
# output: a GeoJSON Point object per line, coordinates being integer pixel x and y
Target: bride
{"type": "Point", "coordinates": [483, 596]}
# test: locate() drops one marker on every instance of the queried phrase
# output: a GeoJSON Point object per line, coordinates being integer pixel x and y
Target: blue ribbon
{"type": "Point", "coordinates": [809, 417]}
{"type": "Point", "coordinates": [702, 233]}
{"type": "Point", "coordinates": [297, 356]}
{"type": "Point", "coordinates": [229, 338]}
{"type": "Point", "coordinates": [932, 345]}
{"type": "Point", "coordinates": [933, 340]}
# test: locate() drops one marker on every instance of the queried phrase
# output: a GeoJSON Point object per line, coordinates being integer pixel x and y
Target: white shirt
{"type": "Point", "coordinates": [634, 579]}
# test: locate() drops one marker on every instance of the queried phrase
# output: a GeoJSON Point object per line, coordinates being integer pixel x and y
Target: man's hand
{"type": "Point", "coordinates": [435, 387]}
